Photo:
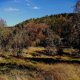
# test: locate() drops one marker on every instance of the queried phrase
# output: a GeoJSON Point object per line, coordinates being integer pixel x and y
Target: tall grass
{"type": "Point", "coordinates": [57, 71]}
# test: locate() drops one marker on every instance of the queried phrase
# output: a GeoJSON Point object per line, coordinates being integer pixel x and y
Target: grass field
{"type": "Point", "coordinates": [40, 71]}
{"type": "Point", "coordinates": [39, 67]}
{"type": "Point", "coordinates": [27, 69]}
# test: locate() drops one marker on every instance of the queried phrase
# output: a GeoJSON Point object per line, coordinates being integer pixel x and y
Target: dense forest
{"type": "Point", "coordinates": [60, 30]}
{"type": "Point", "coordinates": [49, 31]}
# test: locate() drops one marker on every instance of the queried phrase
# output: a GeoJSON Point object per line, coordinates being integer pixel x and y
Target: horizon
{"type": "Point", "coordinates": [16, 11]}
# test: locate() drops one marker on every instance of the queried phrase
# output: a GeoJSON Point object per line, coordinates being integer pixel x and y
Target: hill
{"type": "Point", "coordinates": [49, 31]}
{"type": "Point", "coordinates": [56, 22]}
{"type": "Point", "coordinates": [45, 48]}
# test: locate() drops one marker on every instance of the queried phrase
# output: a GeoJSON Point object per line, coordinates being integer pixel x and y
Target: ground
{"type": "Point", "coordinates": [39, 68]}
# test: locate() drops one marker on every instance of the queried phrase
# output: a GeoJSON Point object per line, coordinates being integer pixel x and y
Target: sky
{"type": "Point", "coordinates": [16, 11]}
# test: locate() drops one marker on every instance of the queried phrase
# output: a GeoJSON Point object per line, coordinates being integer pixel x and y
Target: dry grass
{"type": "Point", "coordinates": [70, 50]}
{"type": "Point", "coordinates": [43, 71]}
{"type": "Point", "coordinates": [31, 50]}
{"type": "Point", "coordinates": [24, 69]}
{"type": "Point", "coordinates": [62, 71]}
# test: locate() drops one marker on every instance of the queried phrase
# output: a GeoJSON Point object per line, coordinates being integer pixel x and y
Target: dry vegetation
{"type": "Point", "coordinates": [22, 68]}
{"type": "Point", "coordinates": [31, 50]}
{"type": "Point", "coordinates": [41, 71]}
{"type": "Point", "coordinates": [14, 68]}
{"type": "Point", "coordinates": [22, 58]}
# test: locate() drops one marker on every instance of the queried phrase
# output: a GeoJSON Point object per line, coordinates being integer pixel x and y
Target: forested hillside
{"type": "Point", "coordinates": [53, 30]}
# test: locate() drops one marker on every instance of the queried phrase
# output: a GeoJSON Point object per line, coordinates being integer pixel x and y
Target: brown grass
{"type": "Point", "coordinates": [57, 71]}
{"type": "Point", "coordinates": [24, 69]}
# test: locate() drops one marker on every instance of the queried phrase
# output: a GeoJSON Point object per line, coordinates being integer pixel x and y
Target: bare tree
{"type": "Point", "coordinates": [75, 31]}
{"type": "Point", "coordinates": [77, 19]}
{"type": "Point", "coordinates": [2, 23]}
{"type": "Point", "coordinates": [77, 15]}
{"type": "Point", "coordinates": [77, 7]}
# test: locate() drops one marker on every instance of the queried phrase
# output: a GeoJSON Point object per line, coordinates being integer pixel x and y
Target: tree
{"type": "Point", "coordinates": [3, 33]}
{"type": "Point", "coordinates": [77, 7]}
{"type": "Point", "coordinates": [75, 31]}
{"type": "Point", "coordinates": [77, 15]}
{"type": "Point", "coordinates": [2, 23]}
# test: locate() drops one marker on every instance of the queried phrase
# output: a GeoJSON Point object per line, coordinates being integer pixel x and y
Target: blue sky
{"type": "Point", "coordinates": [15, 11]}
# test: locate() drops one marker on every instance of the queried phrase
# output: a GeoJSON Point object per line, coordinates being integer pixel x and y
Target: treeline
{"type": "Point", "coordinates": [62, 25]}
{"type": "Point", "coordinates": [53, 31]}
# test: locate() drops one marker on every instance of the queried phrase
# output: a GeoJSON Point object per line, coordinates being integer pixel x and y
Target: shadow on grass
{"type": "Point", "coordinates": [8, 67]}
{"type": "Point", "coordinates": [51, 60]}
